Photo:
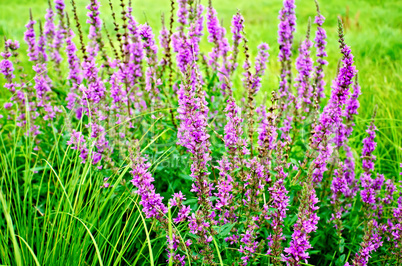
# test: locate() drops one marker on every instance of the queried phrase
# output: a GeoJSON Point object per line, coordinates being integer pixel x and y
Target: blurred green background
{"type": "Point", "coordinates": [373, 30]}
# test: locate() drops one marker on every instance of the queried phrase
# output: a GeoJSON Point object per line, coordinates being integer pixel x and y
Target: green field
{"type": "Point", "coordinates": [61, 216]}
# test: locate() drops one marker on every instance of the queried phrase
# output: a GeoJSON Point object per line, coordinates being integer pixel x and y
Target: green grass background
{"type": "Point", "coordinates": [62, 217]}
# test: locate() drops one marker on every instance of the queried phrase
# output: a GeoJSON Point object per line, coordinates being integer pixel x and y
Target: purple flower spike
{"type": "Point", "coordinates": [42, 45]}
{"type": "Point", "coordinates": [237, 28]}
{"type": "Point", "coordinates": [320, 43]}
{"type": "Point", "coordinates": [371, 242]}
{"type": "Point", "coordinates": [142, 180]}
{"type": "Point", "coordinates": [331, 119]}
{"type": "Point", "coordinates": [280, 204]}
{"type": "Point", "coordinates": [192, 134]}
{"type": "Point", "coordinates": [224, 190]}
{"type": "Point", "coordinates": [164, 40]}
{"type": "Point", "coordinates": [75, 75]}
{"type": "Point", "coordinates": [352, 105]}
{"type": "Point", "coordinates": [30, 39]}
{"type": "Point", "coordinates": [7, 69]}
{"type": "Point", "coordinates": [195, 31]}
{"type": "Point", "coordinates": [214, 36]}
{"type": "Point", "coordinates": [233, 129]}
{"type": "Point", "coordinates": [305, 225]}
{"type": "Point", "coordinates": [368, 192]}
{"type": "Point", "coordinates": [217, 37]}
{"type": "Point", "coordinates": [49, 30]}
{"type": "Point", "coordinates": [182, 13]}
{"type": "Point", "coordinates": [260, 66]}
{"type": "Point", "coordinates": [304, 66]}
{"type": "Point", "coordinates": [395, 229]}
{"type": "Point", "coordinates": [94, 29]}
{"type": "Point", "coordinates": [134, 65]}
{"type": "Point", "coordinates": [344, 183]}
{"type": "Point", "coordinates": [61, 32]}
{"type": "Point", "coordinates": [286, 28]}
{"type": "Point", "coordinates": [151, 50]}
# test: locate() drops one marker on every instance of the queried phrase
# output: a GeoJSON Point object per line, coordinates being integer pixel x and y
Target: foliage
{"type": "Point", "coordinates": [120, 147]}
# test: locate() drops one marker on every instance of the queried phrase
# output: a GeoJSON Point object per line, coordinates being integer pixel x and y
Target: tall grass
{"type": "Point", "coordinates": [58, 214]}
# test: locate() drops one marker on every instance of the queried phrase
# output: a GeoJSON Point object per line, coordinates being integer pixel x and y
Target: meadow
{"type": "Point", "coordinates": [373, 29]}
{"type": "Point", "coordinates": [116, 200]}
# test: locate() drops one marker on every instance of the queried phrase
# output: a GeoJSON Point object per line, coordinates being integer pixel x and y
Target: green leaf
{"type": "Point", "coordinates": [294, 161]}
{"type": "Point", "coordinates": [341, 260]}
{"type": "Point", "coordinates": [186, 177]}
{"type": "Point", "coordinates": [311, 252]}
{"type": "Point", "coordinates": [190, 201]}
{"type": "Point", "coordinates": [225, 229]}
{"type": "Point", "coordinates": [297, 187]}
{"type": "Point", "coordinates": [341, 245]}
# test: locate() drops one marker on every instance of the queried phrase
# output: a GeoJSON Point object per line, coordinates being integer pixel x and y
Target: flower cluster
{"type": "Point", "coordinates": [253, 186]}
{"type": "Point", "coordinates": [306, 224]}
{"type": "Point", "coordinates": [286, 28]}
{"type": "Point", "coordinates": [304, 66]}
{"type": "Point", "coordinates": [320, 44]}
{"type": "Point", "coordinates": [371, 242]}
{"type": "Point", "coordinates": [370, 186]}
{"type": "Point", "coordinates": [331, 119]}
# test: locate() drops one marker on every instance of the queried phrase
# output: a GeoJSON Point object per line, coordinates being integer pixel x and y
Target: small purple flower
{"type": "Point", "coordinates": [8, 105]}
{"type": "Point", "coordinates": [183, 214]}
{"type": "Point", "coordinates": [12, 45]}
{"type": "Point", "coordinates": [177, 199]}
{"type": "Point", "coordinates": [78, 143]}
{"type": "Point", "coordinates": [7, 68]}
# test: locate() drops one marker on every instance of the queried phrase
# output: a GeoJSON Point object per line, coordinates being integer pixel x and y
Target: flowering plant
{"type": "Point", "coordinates": [258, 182]}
